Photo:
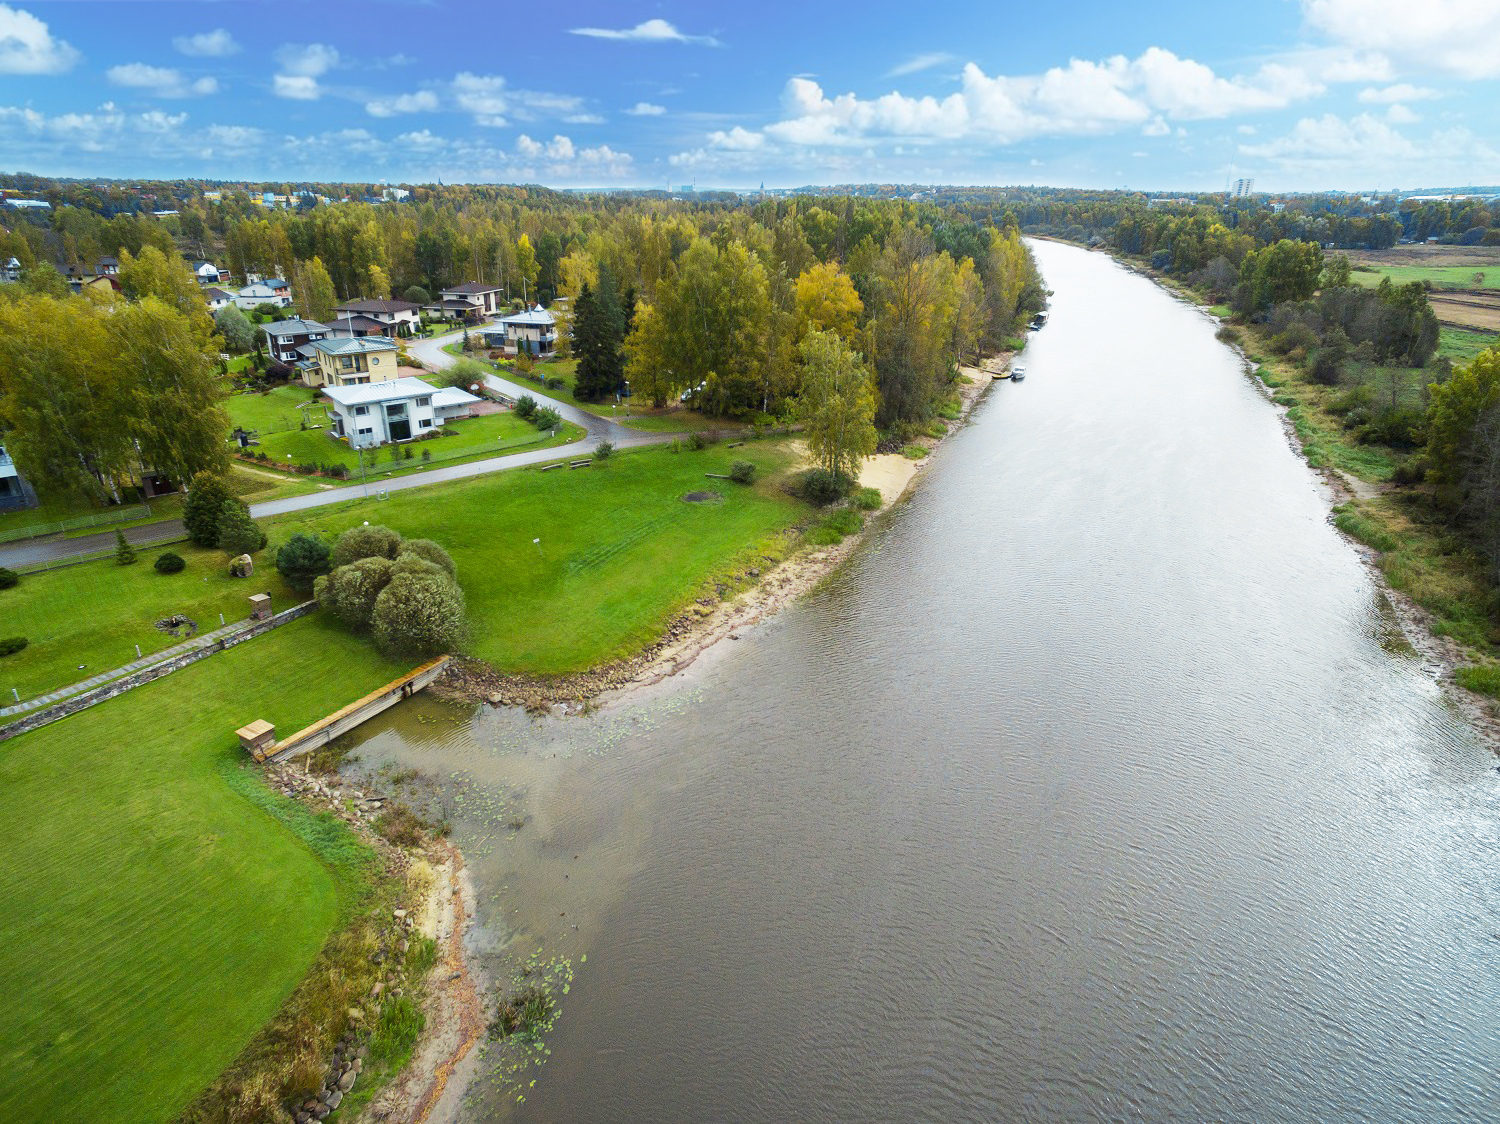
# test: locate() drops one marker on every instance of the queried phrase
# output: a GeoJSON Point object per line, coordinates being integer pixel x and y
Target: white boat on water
{"type": "Point", "coordinates": [1017, 373]}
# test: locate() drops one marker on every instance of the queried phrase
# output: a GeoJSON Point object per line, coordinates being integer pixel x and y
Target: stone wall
{"type": "Point", "coordinates": [148, 674]}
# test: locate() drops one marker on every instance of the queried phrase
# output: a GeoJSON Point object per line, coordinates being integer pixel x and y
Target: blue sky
{"type": "Point", "coordinates": [1299, 94]}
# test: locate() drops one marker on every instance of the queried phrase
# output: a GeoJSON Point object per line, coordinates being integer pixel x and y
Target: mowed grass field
{"type": "Point", "coordinates": [154, 916]}
{"type": "Point", "coordinates": [96, 613]}
{"type": "Point", "coordinates": [620, 551]}
{"type": "Point", "coordinates": [1480, 276]}
{"type": "Point", "coordinates": [1461, 346]}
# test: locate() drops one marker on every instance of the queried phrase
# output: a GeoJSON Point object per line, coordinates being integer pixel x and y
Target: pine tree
{"type": "Point", "coordinates": [124, 552]}
{"type": "Point", "coordinates": [598, 340]}
{"type": "Point", "coordinates": [238, 533]}
{"type": "Point", "coordinates": [200, 512]}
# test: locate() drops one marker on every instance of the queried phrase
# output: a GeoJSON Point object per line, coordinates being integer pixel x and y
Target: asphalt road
{"type": "Point", "coordinates": [432, 355]}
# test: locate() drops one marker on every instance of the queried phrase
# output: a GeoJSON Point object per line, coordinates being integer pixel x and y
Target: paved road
{"type": "Point", "coordinates": [431, 353]}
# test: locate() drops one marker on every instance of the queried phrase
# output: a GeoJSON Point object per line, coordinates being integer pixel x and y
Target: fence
{"type": "Point", "coordinates": [93, 555]}
{"type": "Point", "coordinates": [378, 461]}
{"type": "Point", "coordinates": [78, 523]}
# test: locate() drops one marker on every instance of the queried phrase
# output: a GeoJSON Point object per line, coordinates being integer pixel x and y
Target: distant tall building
{"type": "Point", "coordinates": [1243, 189]}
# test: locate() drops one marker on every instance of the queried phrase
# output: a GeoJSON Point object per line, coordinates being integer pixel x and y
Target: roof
{"type": "Point", "coordinates": [452, 396]}
{"type": "Point", "coordinates": [531, 318]}
{"type": "Point", "coordinates": [354, 345]}
{"type": "Point", "coordinates": [465, 305]}
{"type": "Point", "coordinates": [274, 282]}
{"type": "Point", "coordinates": [376, 305]}
{"type": "Point", "coordinates": [213, 293]}
{"type": "Point", "coordinates": [473, 287]}
{"type": "Point", "coordinates": [365, 393]}
{"type": "Point", "coordinates": [296, 326]}
{"type": "Point", "coordinates": [359, 324]}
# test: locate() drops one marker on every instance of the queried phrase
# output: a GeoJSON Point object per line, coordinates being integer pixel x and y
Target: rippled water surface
{"type": "Point", "coordinates": [1087, 791]}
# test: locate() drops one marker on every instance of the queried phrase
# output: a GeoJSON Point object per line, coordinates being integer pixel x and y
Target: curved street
{"type": "Point", "coordinates": [431, 354]}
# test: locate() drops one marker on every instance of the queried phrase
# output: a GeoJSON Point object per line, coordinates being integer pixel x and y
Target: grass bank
{"type": "Point", "coordinates": [160, 903]}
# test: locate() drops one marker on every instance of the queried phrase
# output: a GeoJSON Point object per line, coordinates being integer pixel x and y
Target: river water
{"type": "Point", "coordinates": [1095, 787]}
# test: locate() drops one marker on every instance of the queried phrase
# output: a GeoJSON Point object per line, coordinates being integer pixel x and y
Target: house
{"type": "Point", "coordinates": [349, 361]}
{"type": "Point", "coordinates": [273, 290]}
{"type": "Point", "coordinates": [11, 270]}
{"type": "Point", "coordinates": [208, 273]}
{"type": "Point", "coordinates": [401, 318]}
{"type": "Point", "coordinates": [29, 204]}
{"type": "Point", "coordinates": [217, 298]}
{"type": "Point", "coordinates": [14, 491]}
{"type": "Point", "coordinates": [359, 326]}
{"type": "Point", "coordinates": [533, 331]}
{"type": "Point", "coordinates": [473, 300]}
{"type": "Point", "coordinates": [285, 337]}
{"type": "Point", "coordinates": [108, 267]}
{"type": "Point", "coordinates": [396, 410]}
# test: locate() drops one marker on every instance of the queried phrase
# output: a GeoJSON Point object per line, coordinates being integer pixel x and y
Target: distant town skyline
{"type": "Point", "coordinates": [1299, 96]}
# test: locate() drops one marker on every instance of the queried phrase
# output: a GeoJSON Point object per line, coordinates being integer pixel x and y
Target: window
{"type": "Point", "coordinates": [283, 339]}
{"type": "Point", "coordinates": [361, 411]}
{"type": "Point", "coordinates": [346, 361]}
{"type": "Point", "coordinates": [366, 432]}
{"type": "Point", "coordinates": [425, 400]}
{"type": "Point", "coordinates": [374, 359]}
{"type": "Point", "coordinates": [425, 423]}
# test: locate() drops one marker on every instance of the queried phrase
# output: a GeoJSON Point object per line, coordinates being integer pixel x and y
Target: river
{"type": "Point", "coordinates": [1097, 786]}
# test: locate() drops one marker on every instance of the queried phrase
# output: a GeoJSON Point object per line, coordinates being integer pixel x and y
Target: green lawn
{"type": "Point", "coordinates": [620, 554]}
{"type": "Point", "coordinates": [1461, 346]}
{"type": "Point", "coordinates": [1482, 276]}
{"type": "Point", "coordinates": [272, 412]}
{"type": "Point", "coordinates": [94, 614]}
{"type": "Point", "coordinates": [155, 916]}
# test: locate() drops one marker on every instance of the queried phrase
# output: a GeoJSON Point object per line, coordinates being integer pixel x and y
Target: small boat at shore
{"type": "Point", "coordinates": [1017, 373]}
{"type": "Point", "coordinates": [997, 375]}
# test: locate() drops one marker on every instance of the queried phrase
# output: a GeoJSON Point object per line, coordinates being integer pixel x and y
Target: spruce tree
{"type": "Point", "coordinates": [238, 533]}
{"type": "Point", "coordinates": [124, 552]}
{"type": "Point", "coordinates": [200, 513]}
{"type": "Point", "coordinates": [598, 340]}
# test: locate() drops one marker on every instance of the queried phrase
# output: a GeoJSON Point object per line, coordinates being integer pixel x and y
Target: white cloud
{"type": "Point", "coordinates": [164, 82]}
{"type": "Point", "coordinates": [1459, 37]}
{"type": "Point", "coordinates": [918, 63]}
{"type": "Point", "coordinates": [243, 137]}
{"type": "Point", "coordinates": [1156, 127]}
{"type": "Point", "coordinates": [27, 46]}
{"type": "Point", "coordinates": [216, 44]}
{"type": "Point", "coordinates": [1367, 149]}
{"type": "Point", "coordinates": [296, 86]}
{"type": "Point", "coordinates": [737, 139]}
{"type": "Point", "coordinates": [652, 31]}
{"type": "Point", "coordinates": [646, 109]}
{"type": "Point", "coordinates": [484, 96]}
{"type": "Point", "coordinates": [1246, 130]}
{"type": "Point", "coordinates": [1399, 114]}
{"type": "Point", "coordinates": [301, 67]}
{"type": "Point", "coordinates": [1401, 92]}
{"type": "Point", "coordinates": [423, 101]}
{"type": "Point", "coordinates": [423, 140]}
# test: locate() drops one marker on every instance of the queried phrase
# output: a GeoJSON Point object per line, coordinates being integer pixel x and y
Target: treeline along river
{"type": "Point", "coordinates": [1097, 786]}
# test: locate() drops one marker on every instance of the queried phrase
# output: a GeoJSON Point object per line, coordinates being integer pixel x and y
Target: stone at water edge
{"type": "Point", "coordinates": [346, 1082]}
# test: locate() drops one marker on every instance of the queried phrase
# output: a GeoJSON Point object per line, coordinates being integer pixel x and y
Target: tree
{"type": "Point", "coordinates": [235, 327]}
{"type": "Point", "coordinates": [365, 541]}
{"type": "Point", "coordinates": [526, 265]}
{"type": "Point", "coordinates": [205, 501]}
{"type": "Point", "coordinates": [837, 403]}
{"type": "Point", "coordinates": [463, 373]}
{"type": "Point", "coordinates": [1284, 271]}
{"type": "Point", "coordinates": [1455, 410]}
{"type": "Point", "coordinates": [351, 591]}
{"type": "Point", "coordinates": [415, 294]}
{"type": "Point", "coordinates": [419, 615]}
{"type": "Point", "coordinates": [44, 280]}
{"type": "Point", "coordinates": [124, 552]}
{"type": "Point", "coordinates": [431, 552]}
{"type": "Point", "coordinates": [315, 294]}
{"type": "Point", "coordinates": [1337, 273]}
{"type": "Point", "coordinates": [238, 533]}
{"type": "Point", "coordinates": [302, 560]}
{"type": "Point", "coordinates": [377, 282]}
{"type": "Point", "coordinates": [598, 341]}
{"type": "Point", "coordinates": [827, 301]}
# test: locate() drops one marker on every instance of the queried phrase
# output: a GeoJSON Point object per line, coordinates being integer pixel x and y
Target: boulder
{"type": "Point", "coordinates": [333, 1101]}
{"type": "Point", "coordinates": [346, 1082]}
{"type": "Point", "coordinates": [241, 567]}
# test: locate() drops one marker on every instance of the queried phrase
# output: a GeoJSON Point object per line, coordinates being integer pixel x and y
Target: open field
{"type": "Point", "coordinates": [1472, 309]}
{"type": "Point", "coordinates": [274, 411]}
{"type": "Point", "coordinates": [1467, 259]}
{"type": "Point", "coordinates": [620, 552]}
{"type": "Point", "coordinates": [94, 614]}
{"type": "Point", "coordinates": [155, 916]}
{"type": "Point", "coordinates": [1461, 346]}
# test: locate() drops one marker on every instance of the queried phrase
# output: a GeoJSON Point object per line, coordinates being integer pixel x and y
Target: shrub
{"type": "Point", "coordinates": [432, 552]}
{"type": "Point", "coordinates": [238, 533]}
{"type": "Point", "coordinates": [302, 560]}
{"type": "Point", "coordinates": [351, 591]}
{"type": "Point", "coordinates": [832, 530]}
{"type": "Point", "coordinates": [365, 542]}
{"type": "Point", "coordinates": [1227, 333]}
{"type": "Point", "coordinates": [8, 578]}
{"type": "Point", "coordinates": [207, 495]}
{"type": "Point", "coordinates": [553, 382]}
{"type": "Point", "coordinates": [169, 563]}
{"type": "Point", "coordinates": [526, 406]}
{"type": "Point", "coordinates": [396, 1031]}
{"type": "Point", "coordinates": [10, 645]}
{"type": "Point", "coordinates": [1484, 678]}
{"type": "Point", "coordinates": [742, 472]}
{"type": "Point", "coordinates": [914, 452]}
{"type": "Point", "coordinates": [820, 487]}
{"type": "Point", "coordinates": [697, 441]}
{"type": "Point", "coordinates": [868, 499]}
{"type": "Point", "coordinates": [419, 615]}
{"type": "Point", "coordinates": [605, 450]}
{"type": "Point", "coordinates": [546, 417]}
{"type": "Point", "coordinates": [1413, 470]}
{"type": "Point", "coordinates": [124, 552]}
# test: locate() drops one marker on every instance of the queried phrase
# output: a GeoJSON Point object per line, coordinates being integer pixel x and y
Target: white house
{"type": "Point", "coordinates": [371, 414]}
{"type": "Point", "coordinates": [401, 318]}
{"type": "Point", "coordinates": [217, 298]}
{"type": "Point", "coordinates": [11, 270]}
{"type": "Point", "coordinates": [473, 300]}
{"type": "Point", "coordinates": [533, 331]}
{"type": "Point", "coordinates": [208, 273]}
{"type": "Point", "coordinates": [273, 290]}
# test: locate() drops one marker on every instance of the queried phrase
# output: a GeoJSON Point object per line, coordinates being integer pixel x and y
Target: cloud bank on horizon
{"type": "Point", "coordinates": [1357, 94]}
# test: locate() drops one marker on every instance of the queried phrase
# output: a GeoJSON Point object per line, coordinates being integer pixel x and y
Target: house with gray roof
{"type": "Point", "coordinates": [286, 338]}
{"type": "Point", "coordinates": [371, 414]}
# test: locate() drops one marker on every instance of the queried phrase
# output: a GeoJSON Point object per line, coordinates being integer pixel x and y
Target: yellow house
{"type": "Point", "coordinates": [349, 361]}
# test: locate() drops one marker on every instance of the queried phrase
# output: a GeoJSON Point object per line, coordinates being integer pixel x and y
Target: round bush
{"type": "Point", "coordinates": [302, 560]}
{"type": "Point", "coordinates": [742, 472]}
{"type": "Point", "coordinates": [416, 564]}
{"type": "Point", "coordinates": [8, 578]}
{"type": "Point", "coordinates": [365, 542]}
{"type": "Point", "coordinates": [419, 615]}
{"type": "Point", "coordinates": [820, 487]}
{"type": "Point", "coordinates": [426, 548]}
{"type": "Point", "coordinates": [169, 563]}
{"type": "Point", "coordinates": [868, 499]}
{"type": "Point", "coordinates": [10, 645]}
{"type": "Point", "coordinates": [351, 591]}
